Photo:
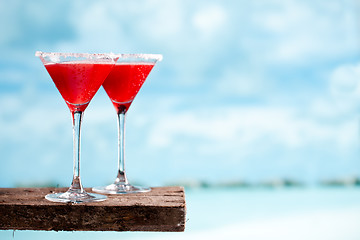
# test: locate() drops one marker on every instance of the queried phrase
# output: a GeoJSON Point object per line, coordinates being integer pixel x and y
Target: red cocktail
{"type": "Point", "coordinates": [77, 77]}
{"type": "Point", "coordinates": [124, 82]}
{"type": "Point", "coordinates": [78, 82]}
{"type": "Point", "coordinates": [122, 86]}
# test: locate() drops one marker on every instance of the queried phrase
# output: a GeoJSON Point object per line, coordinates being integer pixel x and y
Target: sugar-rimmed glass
{"type": "Point", "coordinates": [77, 76]}
{"type": "Point", "coordinates": [122, 85]}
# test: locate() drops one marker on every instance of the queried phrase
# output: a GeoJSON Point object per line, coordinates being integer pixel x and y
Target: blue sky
{"type": "Point", "coordinates": [246, 90]}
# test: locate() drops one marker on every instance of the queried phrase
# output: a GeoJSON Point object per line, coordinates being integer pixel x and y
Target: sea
{"type": "Point", "coordinates": [311, 213]}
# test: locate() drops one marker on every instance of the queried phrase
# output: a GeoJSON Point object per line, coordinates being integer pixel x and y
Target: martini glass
{"type": "Point", "coordinates": [122, 86]}
{"type": "Point", "coordinates": [77, 76]}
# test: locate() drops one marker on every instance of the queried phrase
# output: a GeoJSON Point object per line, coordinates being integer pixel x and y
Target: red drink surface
{"type": "Point", "coordinates": [124, 82]}
{"type": "Point", "coordinates": [78, 82]}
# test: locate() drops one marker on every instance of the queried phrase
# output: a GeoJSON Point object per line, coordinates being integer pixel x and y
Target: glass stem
{"type": "Point", "coordinates": [76, 183]}
{"type": "Point", "coordinates": [121, 176]}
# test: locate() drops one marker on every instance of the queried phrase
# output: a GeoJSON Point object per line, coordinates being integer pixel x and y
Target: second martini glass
{"type": "Point", "coordinates": [77, 76]}
{"type": "Point", "coordinates": [122, 85]}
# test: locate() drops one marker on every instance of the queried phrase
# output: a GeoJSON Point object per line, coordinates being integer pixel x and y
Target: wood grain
{"type": "Point", "coordinates": [161, 209]}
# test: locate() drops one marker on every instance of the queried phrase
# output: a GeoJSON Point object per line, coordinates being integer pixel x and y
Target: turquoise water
{"type": "Point", "coordinates": [248, 213]}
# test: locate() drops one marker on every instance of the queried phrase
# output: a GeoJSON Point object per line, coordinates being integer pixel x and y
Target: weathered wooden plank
{"type": "Point", "coordinates": [161, 209]}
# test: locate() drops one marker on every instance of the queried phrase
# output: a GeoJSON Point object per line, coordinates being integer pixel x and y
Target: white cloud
{"type": "Point", "coordinates": [96, 28]}
{"type": "Point", "coordinates": [239, 81]}
{"type": "Point", "coordinates": [247, 128]}
{"type": "Point", "coordinates": [342, 98]}
{"type": "Point", "coordinates": [210, 20]}
{"type": "Point", "coordinates": [163, 21]}
{"type": "Point", "coordinates": [300, 32]}
{"type": "Point", "coordinates": [345, 81]}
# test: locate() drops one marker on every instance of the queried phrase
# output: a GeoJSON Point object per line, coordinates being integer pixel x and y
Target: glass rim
{"type": "Point", "coordinates": [157, 57]}
{"type": "Point", "coordinates": [68, 54]}
{"type": "Point", "coordinates": [144, 56]}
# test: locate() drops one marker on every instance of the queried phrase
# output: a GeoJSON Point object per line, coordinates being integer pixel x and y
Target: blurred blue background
{"type": "Point", "coordinates": [251, 91]}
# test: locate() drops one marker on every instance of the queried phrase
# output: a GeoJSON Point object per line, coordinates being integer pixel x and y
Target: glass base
{"type": "Point", "coordinates": [75, 197]}
{"type": "Point", "coordinates": [121, 188]}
